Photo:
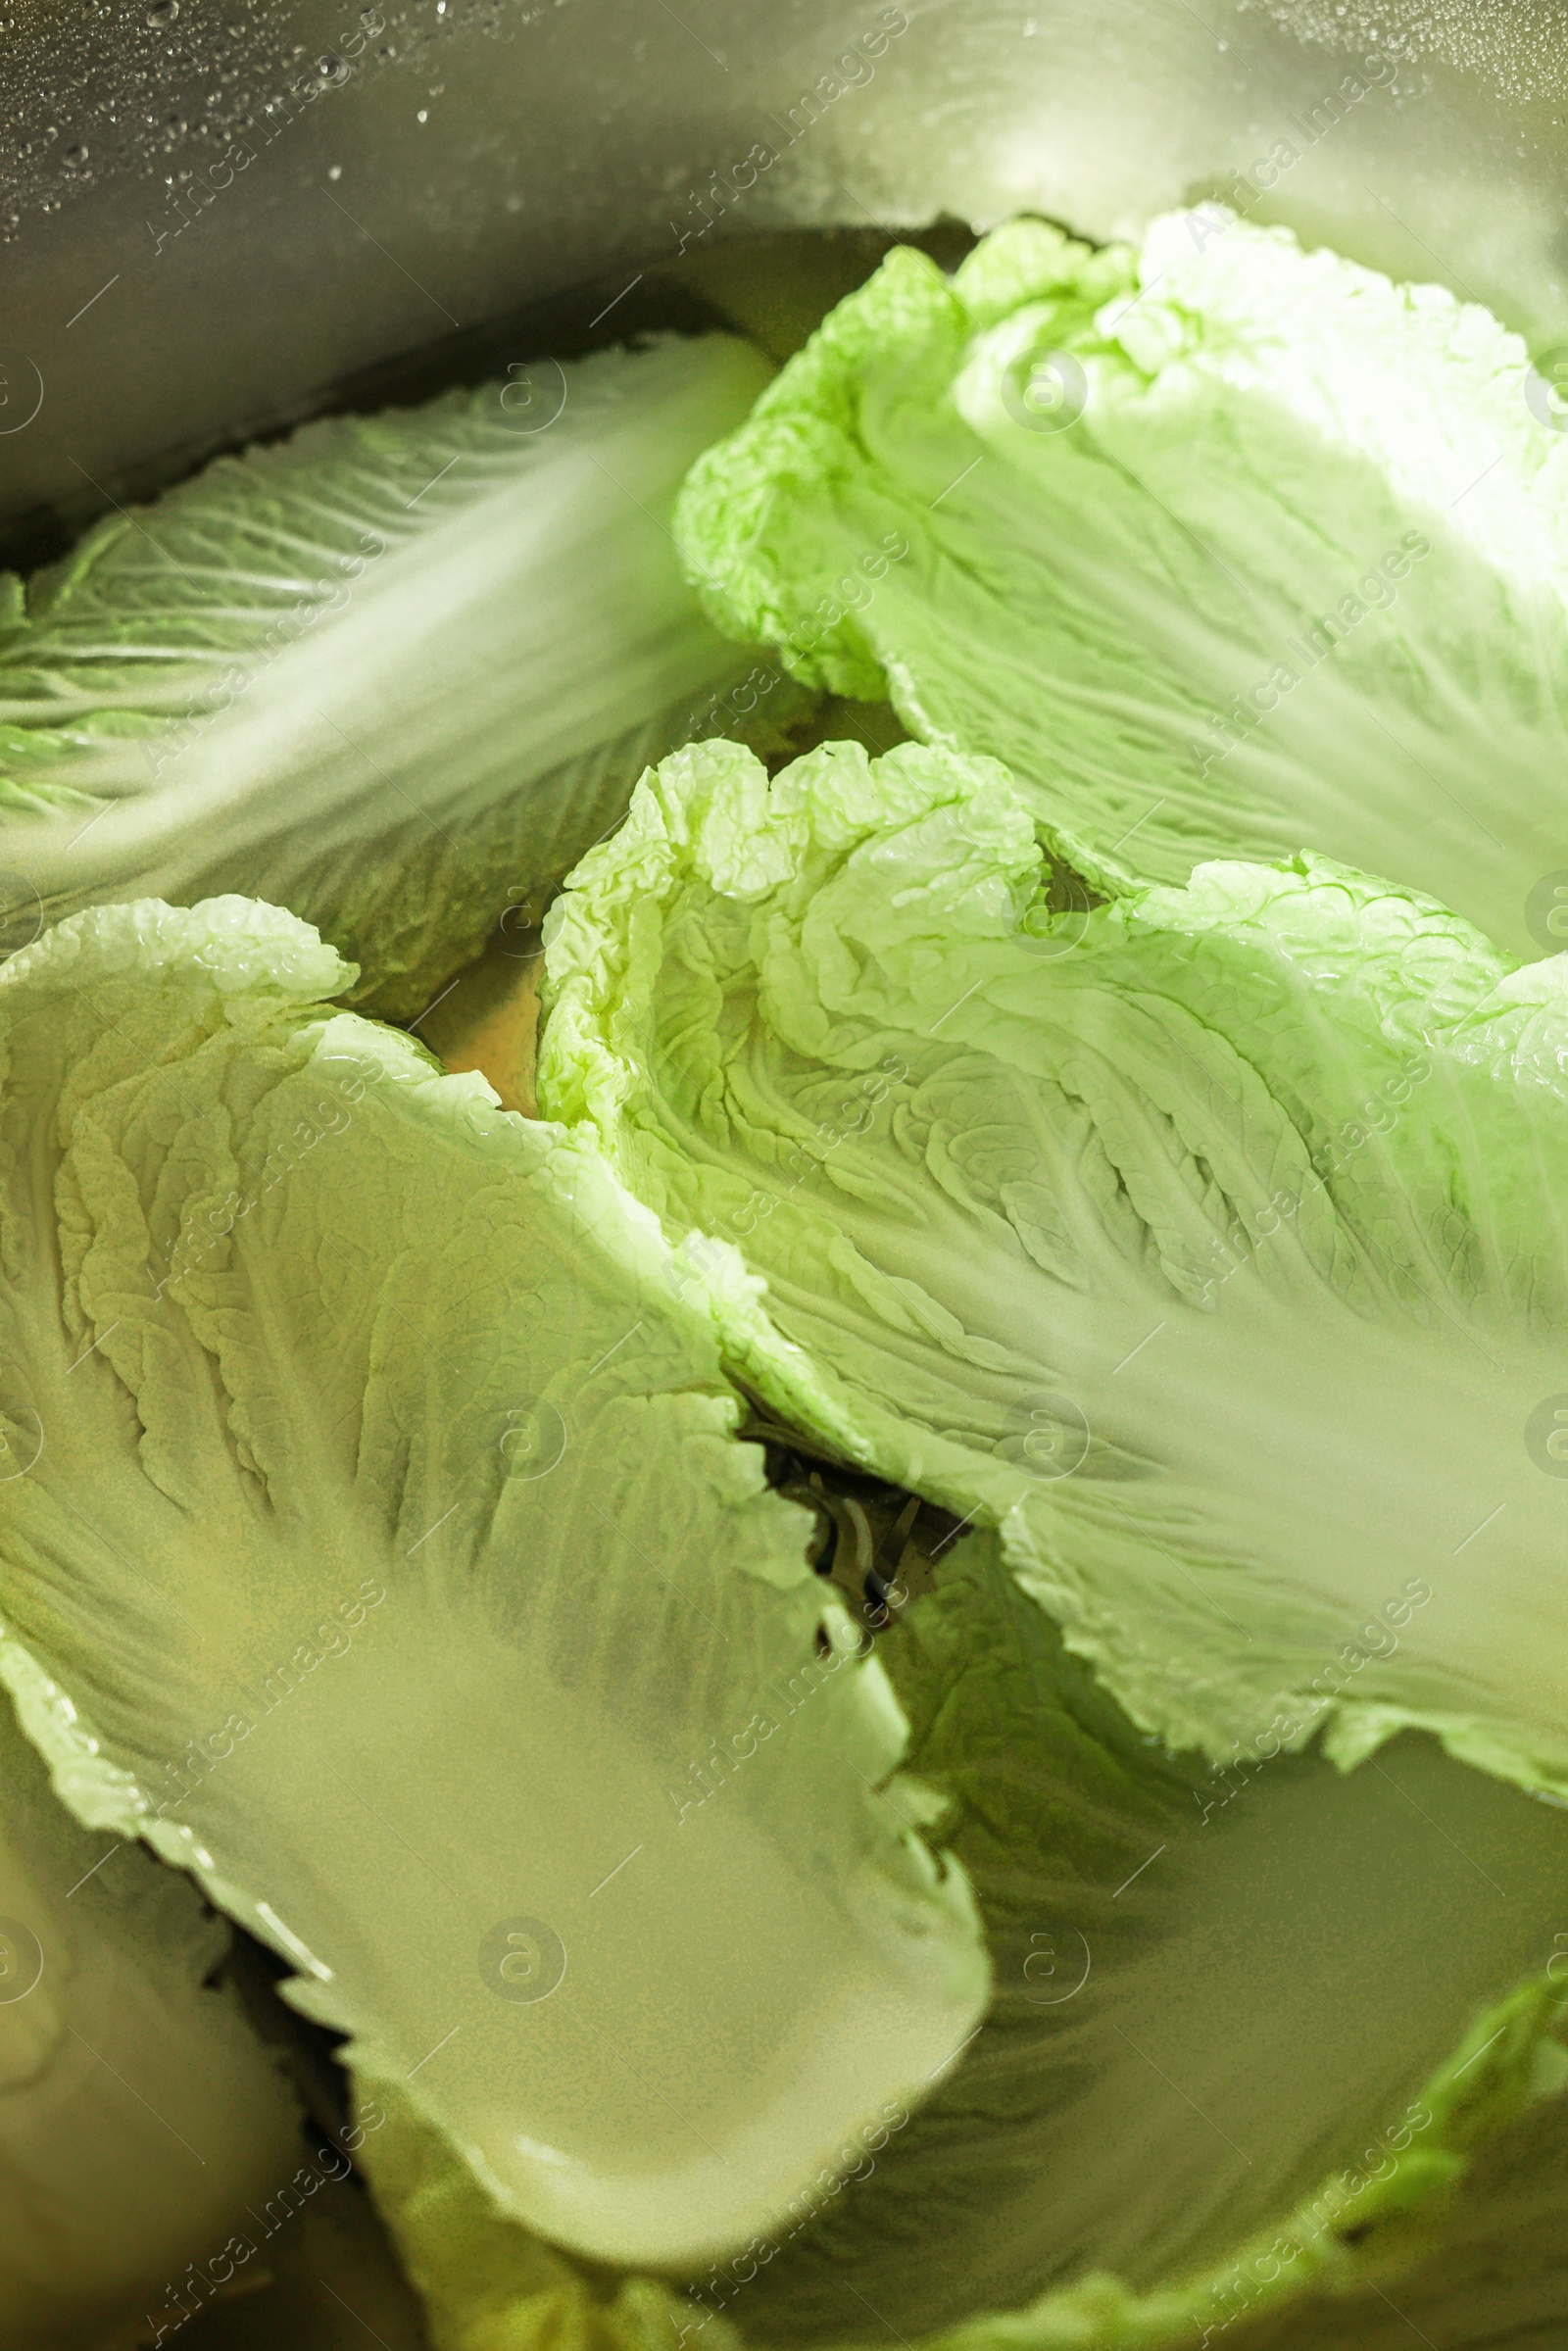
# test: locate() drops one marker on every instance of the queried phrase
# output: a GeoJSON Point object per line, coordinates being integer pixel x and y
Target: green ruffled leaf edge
{"type": "Point", "coordinates": [803, 435]}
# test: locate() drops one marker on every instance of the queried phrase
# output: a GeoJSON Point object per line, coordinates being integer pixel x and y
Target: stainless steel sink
{"type": "Point", "coordinates": [221, 217]}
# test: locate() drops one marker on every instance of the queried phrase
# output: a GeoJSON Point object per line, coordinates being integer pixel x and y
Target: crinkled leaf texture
{"type": "Point", "coordinates": [395, 673]}
{"type": "Point", "coordinates": [139, 2113]}
{"type": "Point", "coordinates": [1227, 549]}
{"type": "Point", "coordinates": [1209, 1250]}
{"type": "Point", "coordinates": [380, 1524]}
{"type": "Point", "coordinates": [1213, 1245]}
{"type": "Point", "coordinates": [1210, 2086]}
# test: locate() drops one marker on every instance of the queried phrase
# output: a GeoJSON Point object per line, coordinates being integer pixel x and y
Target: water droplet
{"type": "Point", "coordinates": [329, 67]}
{"type": "Point", "coordinates": [334, 171]}
{"type": "Point", "coordinates": [51, 134]}
{"type": "Point", "coordinates": [387, 52]}
{"type": "Point", "coordinates": [161, 13]}
{"type": "Point", "coordinates": [423, 115]}
{"type": "Point", "coordinates": [175, 125]}
{"type": "Point", "coordinates": [76, 159]}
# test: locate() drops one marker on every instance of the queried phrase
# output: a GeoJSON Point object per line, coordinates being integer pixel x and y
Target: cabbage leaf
{"type": "Point", "coordinates": [378, 1549]}
{"type": "Point", "coordinates": [395, 673]}
{"type": "Point", "coordinates": [1212, 1245]}
{"type": "Point", "coordinates": [139, 2112]}
{"type": "Point", "coordinates": [1211, 2085]}
{"type": "Point", "coordinates": [1227, 549]}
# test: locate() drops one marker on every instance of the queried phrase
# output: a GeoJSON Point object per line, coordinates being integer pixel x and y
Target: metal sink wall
{"type": "Point", "coordinates": [217, 216]}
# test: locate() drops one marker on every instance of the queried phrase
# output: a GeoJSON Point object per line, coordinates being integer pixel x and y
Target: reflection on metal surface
{"type": "Point", "coordinates": [216, 228]}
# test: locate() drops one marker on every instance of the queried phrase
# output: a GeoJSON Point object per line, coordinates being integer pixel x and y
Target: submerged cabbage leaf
{"type": "Point", "coordinates": [1232, 2058]}
{"type": "Point", "coordinates": [139, 2113]}
{"type": "Point", "coordinates": [1212, 1245]}
{"type": "Point", "coordinates": [395, 673]}
{"type": "Point", "coordinates": [379, 1522]}
{"type": "Point", "coordinates": [1226, 549]}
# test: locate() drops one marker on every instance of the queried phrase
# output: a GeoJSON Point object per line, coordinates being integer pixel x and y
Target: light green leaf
{"type": "Point", "coordinates": [427, 1610]}
{"type": "Point", "coordinates": [1227, 549]}
{"type": "Point", "coordinates": [1231, 2063]}
{"type": "Point", "coordinates": [395, 673]}
{"type": "Point", "coordinates": [1209, 1249]}
{"type": "Point", "coordinates": [1211, 1245]}
{"type": "Point", "coordinates": [139, 2113]}
{"type": "Point", "coordinates": [1207, 2034]}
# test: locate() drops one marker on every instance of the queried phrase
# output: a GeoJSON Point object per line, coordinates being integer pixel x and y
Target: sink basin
{"type": "Point", "coordinates": [220, 220]}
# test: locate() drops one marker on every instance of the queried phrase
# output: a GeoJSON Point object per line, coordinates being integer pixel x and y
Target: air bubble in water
{"type": "Point", "coordinates": [76, 158]}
